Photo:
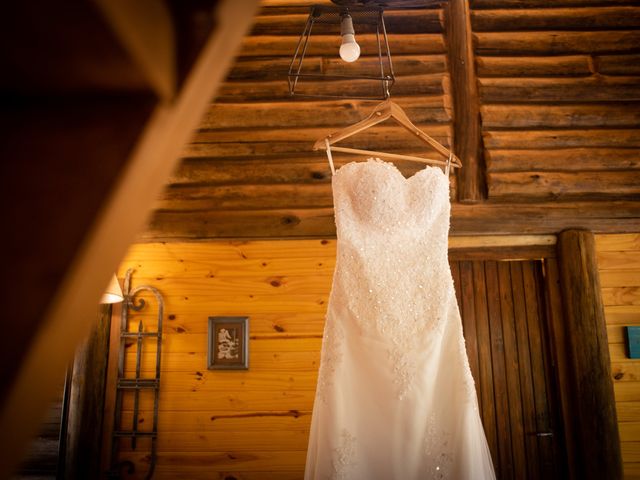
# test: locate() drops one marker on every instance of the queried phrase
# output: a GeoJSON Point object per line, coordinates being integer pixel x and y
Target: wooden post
{"type": "Point", "coordinates": [594, 422]}
{"type": "Point", "coordinates": [86, 402]}
{"type": "Point", "coordinates": [467, 139]}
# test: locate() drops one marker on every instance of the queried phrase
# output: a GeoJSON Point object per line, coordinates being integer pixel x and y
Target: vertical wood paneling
{"type": "Point", "coordinates": [525, 369]}
{"type": "Point", "coordinates": [619, 271]}
{"type": "Point", "coordinates": [541, 378]}
{"type": "Point", "coordinates": [512, 370]}
{"type": "Point", "coordinates": [503, 421]}
{"type": "Point", "coordinates": [484, 352]}
{"type": "Point", "coordinates": [559, 337]}
{"type": "Point", "coordinates": [514, 381]}
{"type": "Point", "coordinates": [469, 315]}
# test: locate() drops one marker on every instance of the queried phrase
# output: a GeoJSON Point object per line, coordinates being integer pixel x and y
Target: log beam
{"type": "Point", "coordinates": [594, 421]}
{"type": "Point", "coordinates": [543, 218]}
{"type": "Point", "coordinates": [467, 138]}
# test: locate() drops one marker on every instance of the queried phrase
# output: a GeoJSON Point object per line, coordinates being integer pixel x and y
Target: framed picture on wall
{"type": "Point", "coordinates": [228, 347]}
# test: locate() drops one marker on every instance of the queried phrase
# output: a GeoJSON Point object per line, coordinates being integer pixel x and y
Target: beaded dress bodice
{"type": "Point", "coordinates": [395, 392]}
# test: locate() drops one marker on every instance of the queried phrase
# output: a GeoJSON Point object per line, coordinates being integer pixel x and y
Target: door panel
{"type": "Point", "coordinates": [504, 320]}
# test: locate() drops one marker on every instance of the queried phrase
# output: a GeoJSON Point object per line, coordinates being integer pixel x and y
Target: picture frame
{"type": "Point", "coordinates": [228, 343]}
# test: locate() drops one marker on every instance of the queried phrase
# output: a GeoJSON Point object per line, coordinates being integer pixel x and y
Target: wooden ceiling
{"type": "Point", "coordinates": [553, 92]}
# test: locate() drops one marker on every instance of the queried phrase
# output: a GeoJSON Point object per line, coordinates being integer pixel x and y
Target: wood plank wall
{"type": "Point", "coordinates": [244, 425]}
{"type": "Point", "coordinates": [560, 92]}
{"type": "Point", "coordinates": [251, 425]}
{"type": "Point", "coordinates": [619, 266]}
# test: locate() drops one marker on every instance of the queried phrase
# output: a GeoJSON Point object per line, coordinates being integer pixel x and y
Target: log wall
{"type": "Point", "coordinates": [556, 91]}
{"type": "Point", "coordinates": [619, 266]}
{"type": "Point", "coordinates": [559, 89]}
{"type": "Point", "coordinates": [250, 171]}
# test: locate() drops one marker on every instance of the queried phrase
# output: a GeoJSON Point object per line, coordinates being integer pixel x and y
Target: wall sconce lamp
{"type": "Point", "coordinates": [113, 293]}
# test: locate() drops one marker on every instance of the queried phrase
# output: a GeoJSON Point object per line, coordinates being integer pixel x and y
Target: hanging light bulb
{"type": "Point", "coordinates": [349, 50]}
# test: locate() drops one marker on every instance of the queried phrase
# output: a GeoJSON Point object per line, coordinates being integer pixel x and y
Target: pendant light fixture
{"type": "Point", "coordinates": [360, 68]}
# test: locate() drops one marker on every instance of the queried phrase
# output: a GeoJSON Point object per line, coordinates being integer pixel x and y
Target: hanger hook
{"type": "Point", "coordinates": [449, 162]}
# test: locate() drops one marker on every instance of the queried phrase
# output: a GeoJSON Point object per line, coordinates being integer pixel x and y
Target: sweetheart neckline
{"type": "Point", "coordinates": [393, 167]}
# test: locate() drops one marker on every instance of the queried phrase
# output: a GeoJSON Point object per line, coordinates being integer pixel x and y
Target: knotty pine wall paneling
{"type": "Point", "coordinates": [250, 424]}
{"type": "Point", "coordinates": [619, 268]}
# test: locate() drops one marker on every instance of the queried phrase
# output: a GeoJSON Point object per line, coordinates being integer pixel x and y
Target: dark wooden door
{"type": "Point", "coordinates": [506, 330]}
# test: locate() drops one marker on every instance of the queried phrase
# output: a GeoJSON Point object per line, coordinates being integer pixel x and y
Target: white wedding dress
{"type": "Point", "coordinates": [395, 398]}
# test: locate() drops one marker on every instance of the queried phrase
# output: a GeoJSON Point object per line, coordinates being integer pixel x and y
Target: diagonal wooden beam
{"type": "Point", "coordinates": [146, 32]}
{"type": "Point", "coordinates": [467, 138]}
{"type": "Point", "coordinates": [123, 215]}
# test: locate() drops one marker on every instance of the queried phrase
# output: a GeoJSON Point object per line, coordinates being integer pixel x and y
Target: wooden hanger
{"type": "Point", "coordinates": [382, 112]}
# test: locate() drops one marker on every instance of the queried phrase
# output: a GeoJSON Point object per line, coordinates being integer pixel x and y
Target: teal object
{"type": "Point", "coordinates": [633, 342]}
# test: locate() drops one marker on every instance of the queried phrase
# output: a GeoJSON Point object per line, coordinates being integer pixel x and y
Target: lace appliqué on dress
{"type": "Point", "coordinates": [343, 459]}
{"type": "Point", "coordinates": [330, 359]}
{"type": "Point", "coordinates": [438, 450]}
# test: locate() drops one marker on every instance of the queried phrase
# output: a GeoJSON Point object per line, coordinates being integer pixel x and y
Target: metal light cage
{"type": "Point", "coordinates": [325, 21]}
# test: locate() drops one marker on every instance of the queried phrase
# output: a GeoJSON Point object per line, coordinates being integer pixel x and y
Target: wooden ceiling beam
{"type": "Point", "coordinates": [146, 31]}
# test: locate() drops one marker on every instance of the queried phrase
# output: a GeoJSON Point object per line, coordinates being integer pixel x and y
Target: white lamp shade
{"type": "Point", "coordinates": [113, 293]}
